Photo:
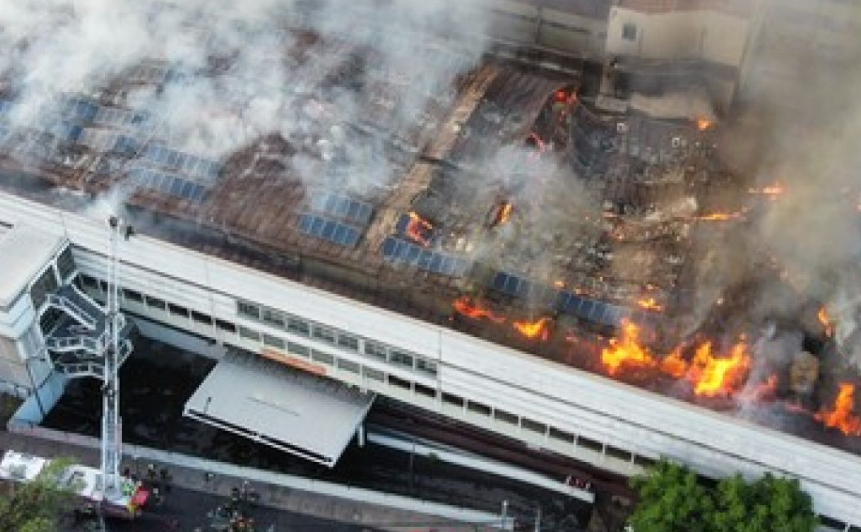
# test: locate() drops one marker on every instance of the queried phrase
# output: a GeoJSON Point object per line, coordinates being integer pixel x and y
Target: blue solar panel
{"type": "Point", "coordinates": [330, 230]}
{"type": "Point", "coordinates": [342, 208]}
{"type": "Point", "coordinates": [168, 184]}
{"type": "Point", "coordinates": [401, 251]}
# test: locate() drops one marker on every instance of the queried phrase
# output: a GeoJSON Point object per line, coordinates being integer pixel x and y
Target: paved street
{"type": "Point", "coordinates": [185, 510]}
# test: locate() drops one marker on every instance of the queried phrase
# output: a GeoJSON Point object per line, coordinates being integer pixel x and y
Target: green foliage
{"type": "Point", "coordinates": [37, 506]}
{"type": "Point", "coordinates": [671, 500]}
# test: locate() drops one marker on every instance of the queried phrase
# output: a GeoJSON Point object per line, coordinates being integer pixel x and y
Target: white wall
{"type": "Point", "coordinates": [705, 35]}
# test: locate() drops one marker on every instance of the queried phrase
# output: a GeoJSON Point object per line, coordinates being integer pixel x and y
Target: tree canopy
{"type": "Point", "coordinates": [672, 500]}
{"type": "Point", "coordinates": [37, 506]}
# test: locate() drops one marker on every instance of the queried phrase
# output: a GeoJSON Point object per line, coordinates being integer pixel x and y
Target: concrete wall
{"type": "Point", "coordinates": [687, 35]}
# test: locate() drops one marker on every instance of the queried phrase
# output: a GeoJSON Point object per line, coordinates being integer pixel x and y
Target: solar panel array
{"type": "Point", "coordinates": [79, 110]}
{"type": "Point", "coordinates": [330, 230]}
{"type": "Point", "coordinates": [186, 163]}
{"type": "Point", "coordinates": [108, 141]}
{"type": "Point", "coordinates": [342, 208]}
{"type": "Point", "coordinates": [116, 117]}
{"type": "Point", "coordinates": [167, 183]}
{"type": "Point", "coordinates": [588, 309]}
{"type": "Point", "coordinates": [398, 250]}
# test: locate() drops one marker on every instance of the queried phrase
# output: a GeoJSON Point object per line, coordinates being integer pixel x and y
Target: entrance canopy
{"type": "Point", "coordinates": [299, 413]}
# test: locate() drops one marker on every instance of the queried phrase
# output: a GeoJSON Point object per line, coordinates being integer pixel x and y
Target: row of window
{"type": "Point", "coordinates": [336, 337]}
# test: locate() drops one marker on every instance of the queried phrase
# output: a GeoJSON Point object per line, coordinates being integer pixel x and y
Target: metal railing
{"type": "Point", "coordinates": [65, 304]}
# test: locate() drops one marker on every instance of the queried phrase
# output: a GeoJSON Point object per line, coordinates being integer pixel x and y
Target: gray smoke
{"type": "Point", "coordinates": [306, 71]}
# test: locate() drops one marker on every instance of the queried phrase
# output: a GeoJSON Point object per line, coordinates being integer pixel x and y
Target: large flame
{"type": "Point", "coordinates": [710, 375]}
{"type": "Point", "coordinates": [842, 415]}
{"type": "Point", "coordinates": [534, 329]}
{"type": "Point", "coordinates": [825, 320]}
{"type": "Point", "coordinates": [718, 376]}
{"type": "Point", "coordinates": [466, 307]}
{"type": "Point", "coordinates": [417, 227]}
{"type": "Point", "coordinates": [626, 351]}
{"type": "Point", "coordinates": [703, 124]}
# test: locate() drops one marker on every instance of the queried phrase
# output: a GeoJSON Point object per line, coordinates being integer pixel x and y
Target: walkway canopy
{"type": "Point", "coordinates": [299, 413]}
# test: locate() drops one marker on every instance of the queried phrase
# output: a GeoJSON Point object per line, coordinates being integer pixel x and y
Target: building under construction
{"type": "Point", "coordinates": [537, 236]}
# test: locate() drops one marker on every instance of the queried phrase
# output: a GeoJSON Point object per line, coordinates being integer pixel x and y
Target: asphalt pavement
{"type": "Point", "coordinates": [184, 510]}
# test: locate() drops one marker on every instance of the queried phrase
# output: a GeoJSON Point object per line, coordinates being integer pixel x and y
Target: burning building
{"type": "Point", "coordinates": [434, 221]}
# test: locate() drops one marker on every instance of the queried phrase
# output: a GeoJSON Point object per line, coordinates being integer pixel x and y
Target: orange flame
{"type": "Point", "coordinates": [417, 227]}
{"type": "Point", "coordinates": [626, 351]}
{"type": "Point", "coordinates": [717, 376]}
{"type": "Point", "coordinates": [841, 416]}
{"type": "Point", "coordinates": [825, 320]}
{"type": "Point", "coordinates": [466, 307]}
{"type": "Point", "coordinates": [771, 191]}
{"type": "Point", "coordinates": [703, 124]}
{"type": "Point", "coordinates": [533, 329]}
{"type": "Point", "coordinates": [674, 365]}
{"type": "Point", "coordinates": [719, 216]}
{"type": "Point", "coordinates": [503, 213]}
{"type": "Point", "coordinates": [709, 375]}
{"type": "Point", "coordinates": [649, 303]}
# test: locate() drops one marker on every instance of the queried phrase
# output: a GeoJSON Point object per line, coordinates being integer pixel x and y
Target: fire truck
{"type": "Point", "coordinates": [84, 482]}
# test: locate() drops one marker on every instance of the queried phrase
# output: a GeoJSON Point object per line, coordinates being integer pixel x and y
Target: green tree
{"type": "Point", "coordinates": [671, 500]}
{"type": "Point", "coordinates": [37, 506]}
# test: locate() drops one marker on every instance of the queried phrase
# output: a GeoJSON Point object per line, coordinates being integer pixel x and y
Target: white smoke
{"type": "Point", "coordinates": [247, 69]}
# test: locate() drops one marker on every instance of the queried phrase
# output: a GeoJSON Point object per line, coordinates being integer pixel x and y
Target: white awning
{"type": "Point", "coordinates": [299, 413]}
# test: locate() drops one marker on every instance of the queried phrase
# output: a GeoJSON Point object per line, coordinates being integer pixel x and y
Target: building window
{"type": "Point", "coordinates": [274, 318]}
{"type": "Point", "coordinates": [619, 454]}
{"type": "Point", "coordinates": [427, 391]}
{"type": "Point", "coordinates": [155, 303]}
{"type": "Point", "coordinates": [505, 417]}
{"type": "Point", "coordinates": [201, 318]}
{"type": "Point", "coordinates": [248, 310]}
{"type": "Point", "coordinates": [560, 435]}
{"type": "Point", "coordinates": [324, 334]}
{"type": "Point", "coordinates": [320, 356]}
{"type": "Point", "coordinates": [348, 365]}
{"type": "Point", "coordinates": [225, 326]}
{"type": "Point", "coordinates": [592, 445]}
{"type": "Point", "coordinates": [249, 334]}
{"type": "Point", "coordinates": [644, 461]}
{"type": "Point", "coordinates": [88, 282]}
{"type": "Point", "coordinates": [629, 32]}
{"type": "Point", "coordinates": [453, 400]}
{"type": "Point", "coordinates": [133, 296]}
{"type": "Point", "coordinates": [66, 264]}
{"type": "Point", "coordinates": [177, 310]}
{"type": "Point", "coordinates": [426, 366]}
{"type": "Point", "coordinates": [273, 341]}
{"type": "Point", "coordinates": [478, 408]}
{"type": "Point", "coordinates": [298, 349]}
{"type": "Point", "coordinates": [400, 383]}
{"type": "Point", "coordinates": [348, 342]}
{"type": "Point", "coordinates": [374, 374]}
{"type": "Point", "coordinates": [534, 426]}
{"type": "Point", "coordinates": [297, 326]}
{"type": "Point", "coordinates": [402, 359]}
{"type": "Point", "coordinates": [375, 350]}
